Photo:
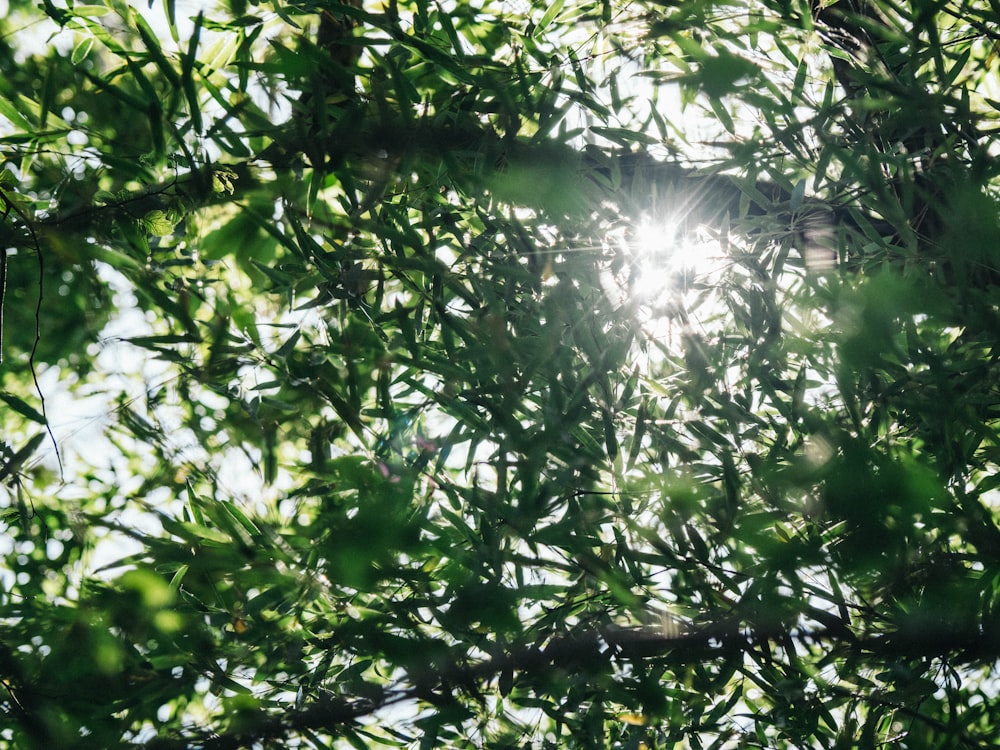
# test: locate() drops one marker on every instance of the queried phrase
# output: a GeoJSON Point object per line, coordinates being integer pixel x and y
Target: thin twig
{"type": "Point", "coordinates": [10, 205]}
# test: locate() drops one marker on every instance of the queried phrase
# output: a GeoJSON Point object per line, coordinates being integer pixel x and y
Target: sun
{"type": "Point", "coordinates": [666, 260]}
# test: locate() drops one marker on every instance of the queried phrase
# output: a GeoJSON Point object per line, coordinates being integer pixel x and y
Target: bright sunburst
{"type": "Point", "coordinates": [665, 261]}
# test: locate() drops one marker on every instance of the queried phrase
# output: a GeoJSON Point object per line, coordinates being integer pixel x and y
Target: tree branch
{"type": "Point", "coordinates": [590, 178]}
{"type": "Point", "coordinates": [585, 650]}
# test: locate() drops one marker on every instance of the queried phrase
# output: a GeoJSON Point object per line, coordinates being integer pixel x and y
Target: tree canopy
{"type": "Point", "coordinates": [499, 374]}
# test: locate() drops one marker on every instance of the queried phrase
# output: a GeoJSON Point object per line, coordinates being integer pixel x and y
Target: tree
{"type": "Point", "coordinates": [395, 445]}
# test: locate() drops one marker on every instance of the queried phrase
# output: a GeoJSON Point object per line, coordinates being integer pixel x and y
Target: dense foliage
{"type": "Point", "coordinates": [500, 374]}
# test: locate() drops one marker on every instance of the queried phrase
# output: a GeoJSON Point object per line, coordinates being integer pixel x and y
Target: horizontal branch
{"type": "Point", "coordinates": [584, 650]}
{"type": "Point", "coordinates": [547, 174]}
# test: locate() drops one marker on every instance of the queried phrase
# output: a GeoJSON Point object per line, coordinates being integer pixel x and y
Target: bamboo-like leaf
{"type": "Point", "coordinates": [551, 12]}
{"type": "Point", "coordinates": [14, 464]}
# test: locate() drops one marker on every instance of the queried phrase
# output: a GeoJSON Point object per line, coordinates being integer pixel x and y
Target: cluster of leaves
{"type": "Point", "coordinates": [403, 457]}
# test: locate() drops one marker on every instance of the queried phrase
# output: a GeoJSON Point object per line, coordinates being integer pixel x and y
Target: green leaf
{"type": "Point", "coordinates": [82, 50]}
{"type": "Point", "coordinates": [14, 464]}
{"type": "Point", "coordinates": [13, 114]}
{"type": "Point", "coordinates": [798, 195]}
{"type": "Point", "coordinates": [22, 407]}
{"type": "Point", "coordinates": [158, 224]}
{"type": "Point", "coordinates": [553, 10]}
